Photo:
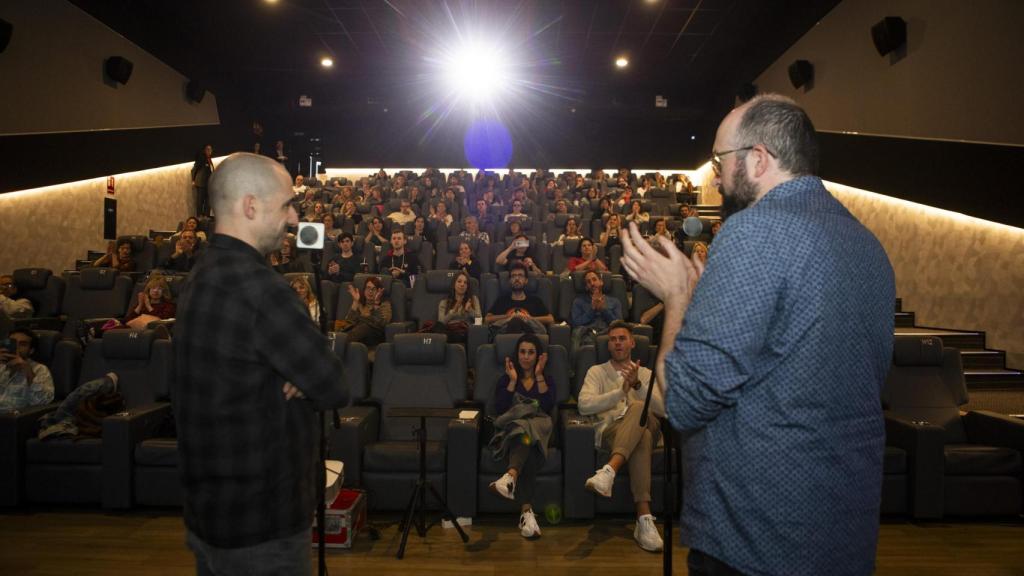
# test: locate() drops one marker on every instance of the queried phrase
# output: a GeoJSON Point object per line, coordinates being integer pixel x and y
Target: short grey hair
{"type": "Point", "coordinates": [783, 127]}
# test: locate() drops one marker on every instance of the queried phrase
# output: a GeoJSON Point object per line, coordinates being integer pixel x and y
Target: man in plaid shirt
{"type": "Point", "coordinates": [252, 370]}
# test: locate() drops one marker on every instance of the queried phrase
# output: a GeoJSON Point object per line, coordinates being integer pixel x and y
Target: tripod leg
{"type": "Point", "coordinates": [407, 520]}
{"type": "Point", "coordinates": [448, 513]}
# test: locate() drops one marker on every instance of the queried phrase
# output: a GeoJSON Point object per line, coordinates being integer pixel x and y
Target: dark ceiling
{"type": "Point", "coordinates": [691, 51]}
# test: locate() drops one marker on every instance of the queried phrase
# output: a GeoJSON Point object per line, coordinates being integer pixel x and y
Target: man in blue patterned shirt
{"type": "Point", "coordinates": [776, 373]}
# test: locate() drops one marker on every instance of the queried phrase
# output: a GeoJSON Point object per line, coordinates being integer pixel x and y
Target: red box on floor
{"type": "Point", "coordinates": [343, 519]}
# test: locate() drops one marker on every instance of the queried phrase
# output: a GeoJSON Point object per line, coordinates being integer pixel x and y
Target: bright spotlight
{"type": "Point", "coordinates": [271, 1]}
{"type": "Point", "coordinates": [476, 70]}
{"type": "Point", "coordinates": [621, 62]}
{"type": "Point", "coordinates": [326, 62]}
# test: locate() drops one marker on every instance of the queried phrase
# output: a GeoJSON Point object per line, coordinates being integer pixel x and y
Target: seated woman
{"type": "Point", "coordinates": [155, 302]}
{"type": "Point", "coordinates": [286, 260]}
{"type": "Point", "coordinates": [120, 259]}
{"type": "Point", "coordinates": [191, 223]}
{"type": "Point", "coordinates": [585, 259]}
{"type": "Point", "coordinates": [661, 229]}
{"type": "Point", "coordinates": [439, 215]}
{"type": "Point", "coordinates": [368, 315]}
{"type": "Point", "coordinates": [301, 286]}
{"type": "Point", "coordinates": [517, 213]}
{"type": "Point", "coordinates": [636, 213]}
{"type": "Point", "coordinates": [347, 214]}
{"type": "Point", "coordinates": [464, 261]}
{"type": "Point", "coordinates": [460, 309]}
{"type": "Point", "coordinates": [375, 233]}
{"type": "Point", "coordinates": [612, 232]}
{"type": "Point", "coordinates": [523, 400]}
{"type": "Point", "coordinates": [330, 232]}
{"type": "Point", "coordinates": [570, 232]}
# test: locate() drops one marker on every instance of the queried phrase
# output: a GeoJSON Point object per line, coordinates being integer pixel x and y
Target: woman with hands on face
{"type": "Point", "coordinates": [369, 313]}
{"type": "Point", "coordinates": [525, 376]}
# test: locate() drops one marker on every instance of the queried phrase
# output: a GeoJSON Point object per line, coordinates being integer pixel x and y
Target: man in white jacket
{"type": "Point", "coordinates": [613, 394]}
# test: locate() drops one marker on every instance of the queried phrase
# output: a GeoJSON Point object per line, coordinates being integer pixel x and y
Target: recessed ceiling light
{"type": "Point", "coordinates": [271, 1]}
{"type": "Point", "coordinates": [326, 62]}
{"type": "Point", "coordinates": [621, 62]}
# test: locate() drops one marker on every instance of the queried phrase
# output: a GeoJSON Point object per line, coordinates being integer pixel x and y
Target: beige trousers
{"type": "Point", "coordinates": [626, 438]}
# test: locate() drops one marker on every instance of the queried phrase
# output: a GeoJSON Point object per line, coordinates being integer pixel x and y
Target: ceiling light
{"type": "Point", "coordinates": [326, 62]}
{"type": "Point", "coordinates": [271, 1]}
{"type": "Point", "coordinates": [477, 70]}
{"type": "Point", "coordinates": [621, 62]}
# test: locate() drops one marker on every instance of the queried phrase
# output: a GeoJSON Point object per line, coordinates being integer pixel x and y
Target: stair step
{"type": "Point", "coordinates": [994, 378]}
{"type": "Point", "coordinates": [950, 338]}
{"type": "Point", "coordinates": [983, 359]}
{"type": "Point", "coordinates": [905, 319]}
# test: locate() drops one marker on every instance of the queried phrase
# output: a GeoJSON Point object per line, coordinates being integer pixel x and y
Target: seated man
{"type": "Point", "coordinates": [593, 312]}
{"type": "Point", "coordinates": [344, 265]}
{"type": "Point", "coordinates": [404, 214]}
{"type": "Point", "coordinates": [401, 264]}
{"type": "Point", "coordinates": [613, 394]}
{"type": "Point", "coordinates": [518, 311]}
{"type": "Point", "coordinates": [23, 381]}
{"type": "Point", "coordinates": [10, 304]}
{"type": "Point", "coordinates": [186, 250]}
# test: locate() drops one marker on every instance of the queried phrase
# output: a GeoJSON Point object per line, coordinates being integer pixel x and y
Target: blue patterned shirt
{"type": "Point", "coordinates": [776, 380]}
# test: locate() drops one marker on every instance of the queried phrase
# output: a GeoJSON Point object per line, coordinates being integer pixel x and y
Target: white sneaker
{"type": "Point", "coordinates": [528, 525]}
{"type": "Point", "coordinates": [646, 534]}
{"type": "Point", "coordinates": [601, 482]}
{"type": "Point", "coordinates": [505, 486]}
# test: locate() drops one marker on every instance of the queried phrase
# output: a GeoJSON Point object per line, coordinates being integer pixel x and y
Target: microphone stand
{"type": "Point", "coordinates": [666, 434]}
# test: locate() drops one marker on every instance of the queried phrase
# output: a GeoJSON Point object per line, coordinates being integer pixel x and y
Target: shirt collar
{"type": "Point", "coordinates": [233, 244]}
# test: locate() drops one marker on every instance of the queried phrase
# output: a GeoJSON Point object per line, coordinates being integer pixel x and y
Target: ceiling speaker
{"type": "Point", "coordinates": [801, 73]}
{"type": "Point", "coordinates": [118, 69]}
{"type": "Point", "coordinates": [6, 30]}
{"type": "Point", "coordinates": [889, 34]}
{"type": "Point", "coordinates": [195, 91]}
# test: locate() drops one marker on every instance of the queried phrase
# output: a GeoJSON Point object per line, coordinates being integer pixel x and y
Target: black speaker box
{"type": "Point", "coordinates": [6, 30]}
{"type": "Point", "coordinates": [118, 69]}
{"type": "Point", "coordinates": [801, 73]}
{"type": "Point", "coordinates": [195, 91]}
{"type": "Point", "coordinates": [889, 34]}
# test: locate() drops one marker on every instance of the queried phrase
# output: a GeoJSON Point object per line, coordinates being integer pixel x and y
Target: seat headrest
{"type": "Point", "coordinates": [420, 349]}
{"type": "Point", "coordinates": [138, 242]}
{"type": "Point", "coordinates": [32, 278]}
{"type": "Point", "coordinates": [47, 341]}
{"type": "Point", "coordinates": [440, 281]}
{"type": "Point", "coordinates": [98, 278]}
{"type": "Point", "coordinates": [385, 282]}
{"type": "Point", "coordinates": [505, 346]}
{"type": "Point", "coordinates": [579, 282]}
{"type": "Point", "coordinates": [128, 344]}
{"type": "Point", "coordinates": [454, 241]}
{"type": "Point", "coordinates": [917, 351]}
{"type": "Point", "coordinates": [413, 244]}
{"type": "Point", "coordinates": [571, 247]}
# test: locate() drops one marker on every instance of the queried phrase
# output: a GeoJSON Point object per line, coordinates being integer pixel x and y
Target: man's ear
{"type": "Point", "coordinates": [249, 206]}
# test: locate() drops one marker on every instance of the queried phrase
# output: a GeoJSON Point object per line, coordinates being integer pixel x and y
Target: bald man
{"type": "Point", "coordinates": [775, 376]}
{"type": "Point", "coordinates": [252, 369]}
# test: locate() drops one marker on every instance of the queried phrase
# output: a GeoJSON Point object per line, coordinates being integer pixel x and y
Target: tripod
{"type": "Point", "coordinates": [666, 433]}
{"type": "Point", "coordinates": [415, 511]}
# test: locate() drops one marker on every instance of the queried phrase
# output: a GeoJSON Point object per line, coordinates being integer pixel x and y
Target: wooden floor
{"type": "Point", "coordinates": [93, 543]}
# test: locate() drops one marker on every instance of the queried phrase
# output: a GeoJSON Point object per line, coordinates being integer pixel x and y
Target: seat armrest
{"type": "Point", "coordinates": [926, 460]}
{"type": "Point", "coordinates": [461, 469]}
{"type": "Point", "coordinates": [121, 434]}
{"type": "Point", "coordinates": [985, 427]}
{"type": "Point", "coordinates": [579, 464]}
{"type": "Point", "coordinates": [16, 428]}
{"type": "Point", "coordinates": [360, 425]}
{"type": "Point", "coordinates": [394, 328]}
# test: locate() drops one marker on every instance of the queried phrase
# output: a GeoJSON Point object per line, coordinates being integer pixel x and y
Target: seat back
{"type": "Point", "coordinates": [354, 357]}
{"type": "Point", "coordinates": [490, 367]}
{"type": "Point", "coordinates": [44, 290]}
{"type": "Point", "coordinates": [560, 254]}
{"type": "Point", "coordinates": [96, 293]}
{"type": "Point", "coordinates": [62, 357]}
{"type": "Point", "coordinates": [926, 383]}
{"type": "Point", "coordinates": [143, 362]}
{"type": "Point", "coordinates": [430, 290]}
{"type": "Point", "coordinates": [643, 300]}
{"type": "Point", "coordinates": [575, 285]}
{"type": "Point", "coordinates": [421, 371]}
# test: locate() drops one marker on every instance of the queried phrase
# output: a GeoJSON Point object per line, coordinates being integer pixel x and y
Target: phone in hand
{"type": "Point", "coordinates": [522, 243]}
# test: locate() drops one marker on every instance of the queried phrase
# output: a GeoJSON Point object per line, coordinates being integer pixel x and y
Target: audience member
{"type": "Point", "coordinates": [23, 381]}
{"type": "Point", "coordinates": [517, 212]}
{"type": "Point", "coordinates": [570, 232]}
{"type": "Point", "coordinates": [401, 264]}
{"type": "Point", "coordinates": [585, 259]}
{"type": "Point", "coordinates": [460, 309]}
{"type": "Point", "coordinates": [593, 312]}
{"type": "Point", "coordinates": [439, 215]}
{"type": "Point", "coordinates": [202, 169]}
{"type": "Point", "coordinates": [10, 305]}
{"type": "Point", "coordinates": [612, 232]}
{"type": "Point", "coordinates": [120, 259]}
{"type": "Point", "coordinates": [613, 396]}
{"type": "Point", "coordinates": [636, 213]}
{"type": "Point", "coordinates": [369, 314]}
{"type": "Point", "coordinates": [155, 302]}
{"type": "Point", "coordinates": [300, 185]}
{"type": "Point", "coordinates": [700, 251]}
{"type": "Point", "coordinates": [375, 233]}
{"type": "Point", "coordinates": [300, 284]}
{"type": "Point", "coordinates": [471, 231]}
{"type": "Point", "coordinates": [186, 251]}
{"type": "Point", "coordinates": [661, 229]}
{"type": "Point", "coordinates": [524, 400]}
{"type": "Point", "coordinates": [286, 260]}
{"type": "Point", "coordinates": [330, 231]}
{"type": "Point", "coordinates": [404, 214]}
{"type": "Point", "coordinates": [518, 311]}
{"type": "Point", "coordinates": [464, 261]}
{"type": "Point", "coordinates": [343, 266]}
{"type": "Point", "coordinates": [518, 251]}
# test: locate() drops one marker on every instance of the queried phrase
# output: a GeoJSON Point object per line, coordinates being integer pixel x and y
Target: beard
{"type": "Point", "coordinates": [742, 195]}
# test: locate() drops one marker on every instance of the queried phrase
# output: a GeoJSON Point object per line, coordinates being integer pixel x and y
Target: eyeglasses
{"type": "Point", "coordinates": [716, 157]}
